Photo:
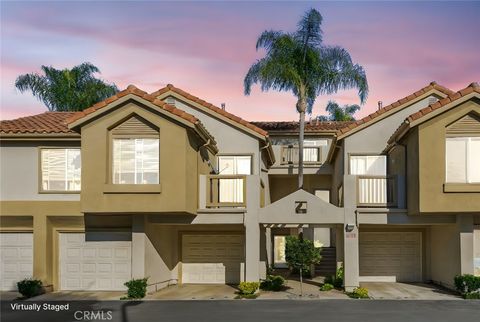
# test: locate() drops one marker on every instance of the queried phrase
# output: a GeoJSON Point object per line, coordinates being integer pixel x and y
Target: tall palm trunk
{"type": "Point", "coordinates": [300, 149]}
{"type": "Point", "coordinates": [301, 109]}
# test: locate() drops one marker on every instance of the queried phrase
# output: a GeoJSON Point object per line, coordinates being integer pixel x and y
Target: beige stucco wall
{"type": "Point", "coordinates": [283, 185]}
{"type": "Point", "coordinates": [19, 171]}
{"type": "Point", "coordinates": [230, 139]}
{"type": "Point", "coordinates": [445, 254]}
{"type": "Point", "coordinates": [179, 167]}
{"type": "Point", "coordinates": [431, 140]}
{"type": "Point", "coordinates": [412, 172]}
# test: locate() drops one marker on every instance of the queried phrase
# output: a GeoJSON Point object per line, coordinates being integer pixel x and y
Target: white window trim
{"type": "Point", "coordinates": [134, 161]}
{"type": "Point", "coordinates": [41, 188]}
{"type": "Point", "coordinates": [468, 165]}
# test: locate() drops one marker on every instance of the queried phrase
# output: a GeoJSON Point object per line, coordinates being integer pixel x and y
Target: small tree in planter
{"type": "Point", "coordinates": [301, 254]}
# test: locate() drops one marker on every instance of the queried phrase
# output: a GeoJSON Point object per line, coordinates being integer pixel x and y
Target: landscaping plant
{"type": "Point", "coordinates": [30, 287]}
{"type": "Point", "coordinates": [326, 287]}
{"type": "Point", "coordinates": [468, 285]}
{"type": "Point", "coordinates": [359, 293]}
{"type": "Point", "coordinates": [301, 254]}
{"type": "Point", "coordinates": [248, 290]}
{"type": "Point", "coordinates": [137, 288]}
{"type": "Point", "coordinates": [273, 283]}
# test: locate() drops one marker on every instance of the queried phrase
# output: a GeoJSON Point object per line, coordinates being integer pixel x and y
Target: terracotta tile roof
{"type": "Point", "coordinates": [45, 123]}
{"type": "Point", "coordinates": [210, 106]}
{"type": "Point", "coordinates": [131, 89]}
{"type": "Point", "coordinates": [473, 87]}
{"type": "Point", "coordinates": [293, 126]}
{"type": "Point", "coordinates": [366, 119]}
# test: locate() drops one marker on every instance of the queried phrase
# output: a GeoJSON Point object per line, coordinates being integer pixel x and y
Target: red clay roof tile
{"type": "Point", "coordinates": [210, 106]}
{"type": "Point", "coordinates": [432, 85]}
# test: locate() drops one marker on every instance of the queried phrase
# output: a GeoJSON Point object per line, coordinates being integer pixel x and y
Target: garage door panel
{"type": "Point", "coordinates": [212, 259]}
{"type": "Point", "coordinates": [394, 254]}
{"type": "Point", "coordinates": [16, 259]}
{"type": "Point", "coordinates": [94, 265]}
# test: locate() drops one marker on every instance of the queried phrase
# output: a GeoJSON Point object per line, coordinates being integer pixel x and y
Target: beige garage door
{"type": "Point", "coordinates": [16, 259]}
{"type": "Point", "coordinates": [390, 256]}
{"type": "Point", "coordinates": [212, 259]}
{"type": "Point", "coordinates": [102, 261]}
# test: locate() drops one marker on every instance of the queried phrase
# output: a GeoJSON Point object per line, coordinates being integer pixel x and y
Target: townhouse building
{"type": "Point", "coordinates": [170, 187]}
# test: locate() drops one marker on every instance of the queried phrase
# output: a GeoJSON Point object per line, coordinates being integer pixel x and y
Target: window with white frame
{"type": "Point", "coordinates": [231, 189]}
{"type": "Point", "coordinates": [136, 160]}
{"type": "Point", "coordinates": [372, 165]}
{"type": "Point", "coordinates": [311, 150]}
{"type": "Point", "coordinates": [61, 169]}
{"type": "Point", "coordinates": [235, 164]}
{"type": "Point", "coordinates": [463, 160]}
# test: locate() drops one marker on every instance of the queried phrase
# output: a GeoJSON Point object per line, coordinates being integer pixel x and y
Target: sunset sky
{"type": "Point", "coordinates": [206, 48]}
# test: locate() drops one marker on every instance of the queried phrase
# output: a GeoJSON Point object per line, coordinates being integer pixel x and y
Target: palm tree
{"type": "Point", "coordinates": [339, 113]}
{"type": "Point", "coordinates": [68, 89]}
{"type": "Point", "coordinates": [300, 63]}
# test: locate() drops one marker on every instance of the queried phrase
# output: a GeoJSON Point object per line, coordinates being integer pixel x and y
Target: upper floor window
{"type": "Point", "coordinates": [61, 169]}
{"type": "Point", "coordinates": [235, 164]}
{"type": "Point", "coordinates": [371, 165]}
{"type": "Point", "coordinates": [312, 152]}
{"type": "Point", "coordinates": [463, 159]}
{"type": "Point", "coordinates": [136, 160]}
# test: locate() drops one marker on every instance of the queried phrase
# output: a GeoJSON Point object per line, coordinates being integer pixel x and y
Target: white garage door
{"type": "Point", "coordinates": [212, 259]}
{"type": "Point", "coordinates": [390, 256]}
{"type": "Point", "coordinates": [16, 259]}
{"type": "Point", "coordinates": [101, 263]}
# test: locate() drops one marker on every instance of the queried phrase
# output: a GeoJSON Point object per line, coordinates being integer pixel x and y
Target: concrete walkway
{"type": "Point", "coordinates": [408, 291]}
{"type": "Point", "coordinates": [80, 296]}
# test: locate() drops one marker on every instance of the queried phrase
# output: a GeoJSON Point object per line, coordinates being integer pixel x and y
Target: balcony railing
{"type": "Point", "coordinates": [226, 191]}
{"type": "Point", "coordinates": [376, 191]}
{"type": "Point", "coordinates": [311, 154]}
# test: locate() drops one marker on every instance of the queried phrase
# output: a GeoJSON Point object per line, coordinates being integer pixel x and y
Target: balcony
{"type": "Point", "coordinates": [377, 191]}
{"type": "Point", "coordinates": [311, 155]}
{"type": "Point", "coordinates": [225, 191]}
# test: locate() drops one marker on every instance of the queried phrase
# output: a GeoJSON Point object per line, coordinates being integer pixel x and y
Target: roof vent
{"type": "Point", "coordinates": [432, 100]}
{"type": "Point", "coordinates": [380, 105]}
{"type": "Point", "coordinates": [223, 106]}
{"type": "Point", "coordinates": [170, 101]}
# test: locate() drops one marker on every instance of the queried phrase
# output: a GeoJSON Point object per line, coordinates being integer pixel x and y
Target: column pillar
{"type": "Point", "coordinates": [350, 235]}
{"type": "Point", "coordinates": [252, 230]}
{"type": "Point", "coordinates": [465, 230]}
{"type": "Point", "coordinates": [138, 246]}
{"type": "Point", "coordinates": [41, 251]}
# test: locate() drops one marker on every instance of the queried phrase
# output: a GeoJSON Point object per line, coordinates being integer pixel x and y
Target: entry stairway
{"type": "Point", "coordinates": [328, 263]}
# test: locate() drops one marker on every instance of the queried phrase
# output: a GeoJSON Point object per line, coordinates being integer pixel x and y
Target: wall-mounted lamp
{"type": "Point", "coordinates": [349, 227]}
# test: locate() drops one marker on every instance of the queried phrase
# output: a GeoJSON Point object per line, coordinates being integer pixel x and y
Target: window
{"type": "Point", "coordinates": [233, 164]}
{"type": "Point", "coordinates": [231, 189]}
{"type": "Point", "coordinates": [136, 161]}
{"type": "Point", "coordinates": [463, 160]}
{"type": "Point", "coordinates": [311, 150]}
{"type": "Point", "coordinates": [61, 169]}
{"type": "Point", "coordinates": [371, 165]}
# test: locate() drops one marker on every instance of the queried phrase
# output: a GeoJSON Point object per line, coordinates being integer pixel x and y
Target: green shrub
{"type": "Point", "coordinates": [30, 287]}
{"type": "Point", "coordinates": [247, 288]}
{"type": "Point", "coordinates": [273, 283]}
{"type": "Point", "coordinates": [337, 279]}
{"type": "Point", "coordinates": [359, 293]}
{"type": "Point", "coordinates": [326, 287]}
{"type": "Point", "coordinates": [467, 283]}
{"type": "Point", "coordinates": [137, 288]}
{"type": "Point", "coordinates": [472, 296]}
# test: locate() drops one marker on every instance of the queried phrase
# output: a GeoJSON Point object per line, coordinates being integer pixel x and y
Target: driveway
{"type": "Point", "coordinates": [408, 291]}
{"type": "Point", "coordinates": [228, 292]}
{"type": "Point", "coordinates": [79, 295]}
